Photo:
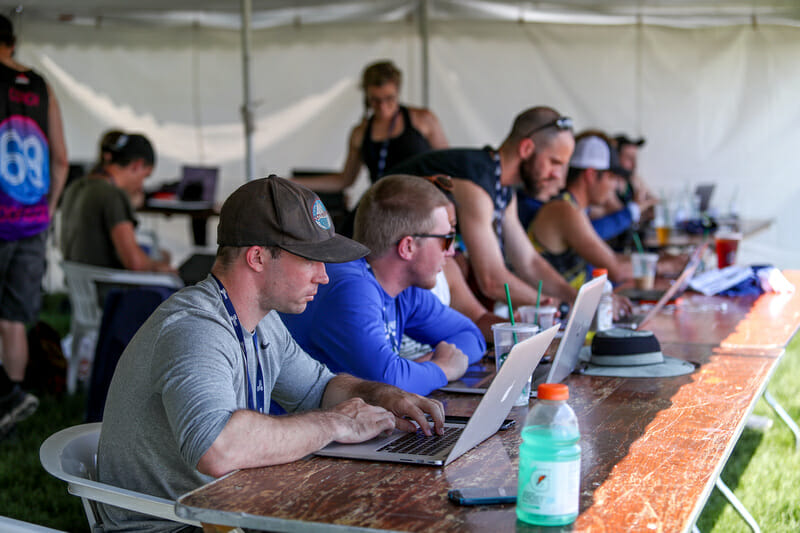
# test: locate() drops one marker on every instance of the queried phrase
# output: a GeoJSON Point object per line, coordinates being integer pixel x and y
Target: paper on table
{"type": "Point", "coordinates": [715, 281]}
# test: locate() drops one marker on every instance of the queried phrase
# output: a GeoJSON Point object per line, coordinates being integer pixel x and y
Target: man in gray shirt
{"type": "Point", "coordinates": [190, 394]}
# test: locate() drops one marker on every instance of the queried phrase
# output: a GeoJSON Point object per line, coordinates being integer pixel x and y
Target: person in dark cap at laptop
{"type": "Point", "coordinates": [615, 219]}
{"type": "Point", "coordinates": [98, 221]}
{"type": "Point", "coordinates": [357, 322]}
{"type": "Point", "coordinates": [190, 395]}
{"type": "Point", "coordinates": [634, 189]}
{"type": "Point", "coordinates": [562, 231]}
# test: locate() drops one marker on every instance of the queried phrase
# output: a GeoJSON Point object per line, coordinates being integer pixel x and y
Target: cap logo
{"type": "Point", "coordinates": [320, 215]}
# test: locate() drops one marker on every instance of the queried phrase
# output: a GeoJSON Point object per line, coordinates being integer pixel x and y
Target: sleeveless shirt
{"type": "Point", "coordinates": [409, 142]}
{"type": "Point", "coordinates": [24, 154]}
{"type": "Point", "coordinates": [568, 263]}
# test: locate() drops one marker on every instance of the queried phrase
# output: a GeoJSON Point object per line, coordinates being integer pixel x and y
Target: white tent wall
{"type": "Point", "coordinates": [716, 104]}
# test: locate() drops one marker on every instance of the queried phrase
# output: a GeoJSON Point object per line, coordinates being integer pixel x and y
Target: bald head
{"type": "Point", "coordinates": [533, 123]}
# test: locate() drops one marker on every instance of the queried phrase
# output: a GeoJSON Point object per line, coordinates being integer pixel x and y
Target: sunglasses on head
{"type": "Point", "coordinates": [440, 180]}
{"type": "Point", "coordinates": [447, 239]}
{"type": "Point", "coordinates": [561, 123]}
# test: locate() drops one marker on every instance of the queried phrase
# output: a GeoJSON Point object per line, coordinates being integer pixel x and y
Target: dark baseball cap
{"type": "Point", "coordinates": [622, 139]}
{"type": "Point", "coordinates": [277, 212]}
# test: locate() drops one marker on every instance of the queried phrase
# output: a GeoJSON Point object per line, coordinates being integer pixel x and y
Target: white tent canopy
{"type": "Point", "coordinates": [711, 85]}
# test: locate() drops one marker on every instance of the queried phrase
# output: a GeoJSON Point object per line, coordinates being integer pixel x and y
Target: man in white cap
{"type": "Point", "coordinates": [190, 396]}
{"type": "Point", "coordinates": [562, 231]}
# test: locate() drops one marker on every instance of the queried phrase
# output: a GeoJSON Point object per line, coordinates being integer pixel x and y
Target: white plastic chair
{"type": "Point", "coordinates": [71, 455]}
{"type": "Point", "coordinates": [87, 311]}
{"type": "Point", "coordinates": [9, 525]}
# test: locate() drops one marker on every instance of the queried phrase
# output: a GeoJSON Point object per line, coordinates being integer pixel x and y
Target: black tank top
{"type": "Point", "coordinates": [24, 154]}
{"type": "Point", "coordinates": [409, 142]}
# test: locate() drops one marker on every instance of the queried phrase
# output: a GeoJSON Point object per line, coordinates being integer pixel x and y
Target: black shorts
{"type": "Point", "coordinates": [22, 265]}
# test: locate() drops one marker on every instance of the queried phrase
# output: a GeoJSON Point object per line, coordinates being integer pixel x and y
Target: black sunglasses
{"type": "Point", "coordinates": [447, 240]}
{"type": "Point", "coordinates": [440, 180]}
{"type": "Point", "coordinates": [561, 123]}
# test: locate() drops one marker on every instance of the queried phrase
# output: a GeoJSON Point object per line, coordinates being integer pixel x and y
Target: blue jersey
{"type": "Point", "coordinates": [24, 154]}
{"type": "Point", "coordinates": [354, 326]}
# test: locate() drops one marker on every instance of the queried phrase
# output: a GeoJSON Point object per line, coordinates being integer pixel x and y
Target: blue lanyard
{"type": "Point", "coordinates": [392, 336]}
{"type": "Point", "coordinates": [501, 198]}
{"type": "Point", "coordinates": [384, 151]}
{"type": "Point", "coordinates": [260, 399]}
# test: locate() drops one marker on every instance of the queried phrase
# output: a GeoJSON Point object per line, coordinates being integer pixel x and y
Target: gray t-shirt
{"type": "Point", "coordinates": [176, 385]}
{"type": "Point", "coordinates": [89, 211]}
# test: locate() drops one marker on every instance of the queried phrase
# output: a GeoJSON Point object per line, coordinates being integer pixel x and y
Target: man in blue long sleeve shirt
{"type": "Point", "coordinates": [356, 321]}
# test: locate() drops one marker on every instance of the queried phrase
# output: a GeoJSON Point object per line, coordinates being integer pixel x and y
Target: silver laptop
{"type": "Point", "coordinates": [638, 320]}
{"type": "Point", "coordinates": [580, 321]}
{"type": "Point", "coordinates": [403, 447]}
{"type": "Point", "coordinates": [480, 375]}
{"type": "Point", "coordinates": [703, 192]}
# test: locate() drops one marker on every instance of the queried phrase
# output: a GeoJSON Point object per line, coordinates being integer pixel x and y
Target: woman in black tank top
{"type": "Point", "coordinates": [388, 134]}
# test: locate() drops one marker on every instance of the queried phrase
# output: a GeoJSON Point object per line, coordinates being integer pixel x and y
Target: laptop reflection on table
{"type": "Point", "coordinates": [403, 447]}
{"type": "Point", "coordinates": [479, 375]}
{"type": "Point", "coordinates": [662, 297]}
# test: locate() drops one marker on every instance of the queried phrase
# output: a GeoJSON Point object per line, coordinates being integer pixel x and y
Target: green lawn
{"type": "Point", "coordinates": [763, 471]}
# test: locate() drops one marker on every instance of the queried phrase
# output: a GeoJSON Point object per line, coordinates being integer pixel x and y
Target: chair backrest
{"type": "Point", "coordinates": [10, 525]}
{"type": "Point", "coordinates": [71, 455]}
{"type": "Point", "coordinates": [82, 284]}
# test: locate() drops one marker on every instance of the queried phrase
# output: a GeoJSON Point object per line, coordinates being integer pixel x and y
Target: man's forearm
{"type": "Point", "coordinates": [344, 386]}
{"type": "Point", "coordinates": [251, 439]}
{"type": "Point", "coordinates": [553, 283]}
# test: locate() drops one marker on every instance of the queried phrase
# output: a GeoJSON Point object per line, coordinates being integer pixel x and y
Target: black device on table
{"type": "Point", "coordinates": [483, 495]}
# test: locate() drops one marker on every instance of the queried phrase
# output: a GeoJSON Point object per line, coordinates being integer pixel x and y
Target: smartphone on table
{"type": "Point", "coordinates": [483, 495]}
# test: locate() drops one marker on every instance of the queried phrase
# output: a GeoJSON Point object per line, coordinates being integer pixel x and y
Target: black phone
{"type": "Point", "coordinates": [507, 423]}
{"type": "Point", "coordinates": [483, 495]}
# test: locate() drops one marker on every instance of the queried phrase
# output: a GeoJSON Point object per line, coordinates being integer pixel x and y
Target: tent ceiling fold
{"type": "Point", "coordinates": [276, 13]}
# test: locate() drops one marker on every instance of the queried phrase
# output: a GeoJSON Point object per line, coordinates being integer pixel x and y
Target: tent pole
{"type": "Point", "coordinates": [247, 106]}
{"type": "Point", "coordinates": [425, 35]}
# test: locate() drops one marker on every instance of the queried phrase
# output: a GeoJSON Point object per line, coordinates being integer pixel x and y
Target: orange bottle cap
{"type": "Point", "coordinates": [552, 391]}
{"type": "Point", "coordinates": [597, 272]}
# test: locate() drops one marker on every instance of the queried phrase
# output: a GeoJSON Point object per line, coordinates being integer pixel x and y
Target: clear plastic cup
{"type": "Point", "coordinates": [727, 244]}
{"type": "Point", "coordinates": [644, 269]}
{"type": "Point", "coordinates": [545, 318]}
{"type": "Point", "coordinates": [505, 337]}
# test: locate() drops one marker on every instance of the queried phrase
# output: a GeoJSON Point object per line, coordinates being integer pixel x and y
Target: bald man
{"type": "Point", "coordinates": [535, 152]}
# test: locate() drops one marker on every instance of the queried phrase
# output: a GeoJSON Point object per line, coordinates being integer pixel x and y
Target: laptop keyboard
{"type": "Point", "coordinates": [418, 444]}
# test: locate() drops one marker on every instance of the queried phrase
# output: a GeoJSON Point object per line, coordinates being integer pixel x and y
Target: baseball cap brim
{"type": "Point", "coordinates": [337, 249]}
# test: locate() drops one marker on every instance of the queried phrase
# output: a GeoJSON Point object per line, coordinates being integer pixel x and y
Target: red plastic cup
{"type": "Point", "coordinates": [727, 245]}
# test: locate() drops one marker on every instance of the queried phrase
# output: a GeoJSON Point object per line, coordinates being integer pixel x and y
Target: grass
{"type": "Point", "coordinates": [763, 470]}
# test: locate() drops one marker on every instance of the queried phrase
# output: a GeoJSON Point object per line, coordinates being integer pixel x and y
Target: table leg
{"type": "Point", "coordinates": [739, 506]}
{"type": "Point", "coordinates": [783, 415]}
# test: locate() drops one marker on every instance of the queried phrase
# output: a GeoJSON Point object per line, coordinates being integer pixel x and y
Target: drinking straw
{"type": "Point", "coordinates": [510, 311]}
{"type": "Point", "coordinates": [538, 299]}
{"type": "Point", "coordinates": [638, 242]}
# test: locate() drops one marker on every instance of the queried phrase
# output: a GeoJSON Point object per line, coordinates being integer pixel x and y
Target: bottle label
{"type": "Point", "coordinates": [552, 488]}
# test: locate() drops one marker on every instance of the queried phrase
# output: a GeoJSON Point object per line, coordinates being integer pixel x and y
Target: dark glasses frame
{"type": "Point", "coordinates": [442, 181]}
{"type": "Point", "coordinates": [447, 239]}
{"type": "Point", "coordinates": [561, 123]}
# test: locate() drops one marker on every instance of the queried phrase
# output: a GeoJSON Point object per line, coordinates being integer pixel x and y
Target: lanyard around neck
{"type": "Point", "coordinates": [501, 198]}
{"type": "Point", "coordinates": [384, 151]}
{"type": "Point", "coordinates": [391, 335]}
{"type": "Point", "coordinates": [257, 404]}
